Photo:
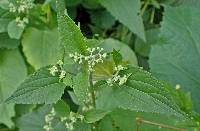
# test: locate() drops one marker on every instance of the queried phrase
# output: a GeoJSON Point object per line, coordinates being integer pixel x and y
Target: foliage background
{"type": "Point", "coordinates": [162, 36]}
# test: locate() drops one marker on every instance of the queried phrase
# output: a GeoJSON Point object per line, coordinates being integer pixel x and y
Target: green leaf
{"type": "Point", "coordinates": [140, 91]}
{"type": "Point", "coordinates": [81, 86]}
{"type": "Point", "coordinates": [192, 3]}
{"type": "Point", "coordinates": [94, 115]}
{"type": "Point", "coordinates": [177, 59]}
{"type": "Point", "coordinates": [70, 35]}
{"type": "Point", "coordinates": [126, 52]}
{"type": "Point", "coordinates": [124, 119]}
{"type": "Point", "coordinates": [62, 109]}
{"type": "Point", "coordinates": [41, 47]}
{"type": "Point", "coordinates": [143, 48]}
{"type": "Point", "coordinates": [102, 19]}
{"type": "Point", "coordinates": [12, 72]}
{"type": "Point", "coordinates": [33, 121]}
{"type": "Point", "coordinates": [7, 42]}
{"type": "Point", "coordinates": [117, 57]}
{"type": "Point", "coordinates": [128, 13]}
{"type": "Point", "coordinates": [4, 23]}
{"type": "Point", "coordinates": [40, 87]}
{"type": "Point", "coordinates": [14, 31]}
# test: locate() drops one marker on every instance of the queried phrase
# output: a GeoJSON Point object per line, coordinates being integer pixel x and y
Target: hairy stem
{"type": "Point", "coordinates": [139, 121]}
{"type": "Point", "coordinates": [92, 89]}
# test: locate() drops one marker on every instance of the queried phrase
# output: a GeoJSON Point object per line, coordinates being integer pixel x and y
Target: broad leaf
{"type": "Point", "coordinates": [33, 121]}
{"type": "Point", "coordinates": [41, 47]}
{"type": "Point", "coordinates": [128, 13]}
{"type": "Point", "coordinates": [177, 59]}
{"type": "Point", "coordinates": [70, 35]}
{"type": "Point", "coordinates": [7, 42]}
{"type": "Point", "coordinates": [140, 91]}
{"type": "Point", "coordinates": [125, 50]}
{"type": "Point", "coordinates": [94, 115]}
{"type": "Point", "coordinates": [12, 72]}
{"type": "Point", "coordinates": [4, 23]}
{"type": "Point", "coordinates": [40, 87]}
{"type": "Point", "coordinates": [14, 31]}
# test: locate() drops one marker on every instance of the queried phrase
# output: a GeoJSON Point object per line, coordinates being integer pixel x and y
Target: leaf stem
{"type": "Point", "coordinates": [92, 89]}
{"type": "Point", "coordinates": [140, 121]}
{"type": "Point", "coordinates": [144, 7]}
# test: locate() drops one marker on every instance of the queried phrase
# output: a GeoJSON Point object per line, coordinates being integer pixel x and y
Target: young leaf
{"type": "Point", "coordinates": [12, 72]}
{"type": "Point", "coordinates": [127, 12]}
{"type": "Point", "coordinates": [40, 87]}
{"type": "Point", "coordinates": [177, 58]}
{"type": "Point", "coordinates": [140, 91]}
{"type": "Point", "coordinates": [70, 35]}
{"type": "Point", "coordinates": [14, 31]}
{"type": "Point", "coordinates": [117, 57]}
{"type": "Point", "coordinates": [41, 47]}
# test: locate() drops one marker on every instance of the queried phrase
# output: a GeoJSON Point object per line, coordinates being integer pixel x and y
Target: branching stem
{"type": "Point", "coordinates": [139, 121]}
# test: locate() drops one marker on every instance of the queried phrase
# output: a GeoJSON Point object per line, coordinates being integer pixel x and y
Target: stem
{"type": "Point", "coordinates": [144, 7]}
{"type": "Point", "coordinates": [152, 16]}
{"type": "Point", "coordinates": [92, 89]}
{"type": "Point", "coordinates": [140, 120]}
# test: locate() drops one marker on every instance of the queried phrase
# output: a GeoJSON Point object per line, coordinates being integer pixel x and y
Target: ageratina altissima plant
{"type": "Point", "coordinates": [21, 9]}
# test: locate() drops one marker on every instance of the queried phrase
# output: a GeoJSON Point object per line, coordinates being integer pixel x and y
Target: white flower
{"type": "Point", "coordinates": [63, 119]}
{"type": "Point", "coordinates": [60, 63]}
{"type": "Point", "coordinates": [12, 7]}
{"type": "Point", "coordinates": [123, 80]}
{"type": "Point", "coordinates": [62, 74]}
{"type": "Point", "coordinates": [178, 87]}
{"type": "Point", "coordinates": [53, 70]}
{"type": "Point", "coordinates": [116, 77]}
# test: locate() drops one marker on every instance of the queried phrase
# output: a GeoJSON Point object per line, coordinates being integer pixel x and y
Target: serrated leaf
{"type": "Point", "coordinates": [62, 109]}
{"type": "Point", "coordinates": [126, 52]}
{"type": "Point", "coordinates": [14, 31]}
{"type": "Point", "coordinates": [41, 47]}
{"type": "Point", "coordinates": [177, 59]}
{"type": "Point", "coordinates": [94, 115]}
{"type": "Point", "coordinates": [128, 13]}
{"type": "Point", "coordinates": [7, 42]}
{"type": "Point", "coordinates": [140, 91]}
{"type": "Point", "coordinates": [81, 86]}
{"type": "Point", "coordinates": [40, 87]}
{"type": "Point", "coordinates": [12, 72]}
{"type": "Point", "coordinates": [33, 121]}
{"type": "Point", "coordinates": [70, 35]}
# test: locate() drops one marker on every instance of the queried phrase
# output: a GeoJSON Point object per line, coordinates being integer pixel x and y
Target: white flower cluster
{"type": "Point", "coordinates": [58, 68]}
{"type": "Point", "coordinates": [71, 119]}
{"type": "Point", "coordinates": [48, 119]}
{"type": "Point", "coordinates": [21, 7]}
{"type": "Point", "coordinates": [117, 78]}
{"type": "Point", "coordinates": [88, 102]}
{"type": "Point", "coordinates": [94, 57]}
{"type": "Point", "coordinates": [21, 22]}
